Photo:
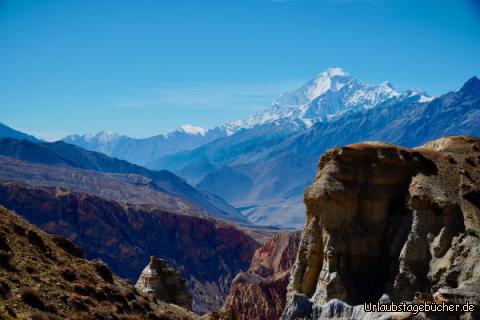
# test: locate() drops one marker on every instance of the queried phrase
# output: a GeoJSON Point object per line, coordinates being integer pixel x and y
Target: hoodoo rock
{"type": "Point", "coordinates": [164, 283]}
{"type": "Point", "coordinates": [390, 223]}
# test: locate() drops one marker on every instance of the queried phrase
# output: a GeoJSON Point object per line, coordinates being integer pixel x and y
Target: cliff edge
{"type": "Point", "coordinates": [392, 224]}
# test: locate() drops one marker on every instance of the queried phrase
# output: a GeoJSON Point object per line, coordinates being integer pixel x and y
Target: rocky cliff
{"type": "Point", "coordinates": [208, 253]}
{"type": "Point", "coordinates": [390, 223]}
{"type": "Point", "coordinates": [46, 277]}
{"type": "Point", "coordinates": [260, 292]}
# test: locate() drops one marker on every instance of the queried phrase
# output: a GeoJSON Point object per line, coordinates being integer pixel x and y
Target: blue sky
{"type": "Point", "coordinates": [146, 67]}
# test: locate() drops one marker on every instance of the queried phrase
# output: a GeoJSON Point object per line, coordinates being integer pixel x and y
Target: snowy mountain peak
{"type": "Point", "coordinates": [387, 84]}
{"type": "Point", "coordinates": [101, 137]}
{"type": "Point", "coordinates": [416, 92]}
{"type": "Point", "coordinates": [331, 93]}
{"type": "Point", "coordinates": [191, 129]}
{"type": "Point", "coordinates": [106, 136]}
{"type": "Point", "coordinates": [333, 72]}
{"type": "Point", "coordinates": [331, 79]}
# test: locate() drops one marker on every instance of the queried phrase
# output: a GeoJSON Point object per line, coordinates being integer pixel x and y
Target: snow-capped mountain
{"type": "Point", "coordinates": [142, 151]}
{"type": "Point", "coordinates": [331, 93]}
{"type": "Point", "coordinates": [263, 163]}
{"type": "Point", "coordinates": [193, 130]}
{"type": "Point", "coordinates": [264, 170]}
{"type": "Point", "coordinates": [103, 141]}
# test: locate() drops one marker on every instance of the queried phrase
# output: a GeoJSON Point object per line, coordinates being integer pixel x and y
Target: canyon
{"type": "Point", "coordinates": [208, 253]}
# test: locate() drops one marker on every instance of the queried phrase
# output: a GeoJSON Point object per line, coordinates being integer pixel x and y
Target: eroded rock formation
{"type": "Point", "coordinates": [259, 293]}
{"type": "Point", "coordinates": [390, 221]}
{"type": "Point", "coordinates": [164, 283]}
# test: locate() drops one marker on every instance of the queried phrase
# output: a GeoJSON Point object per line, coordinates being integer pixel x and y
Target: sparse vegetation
{"type": "Point", "coordinates": [68, 246]}
{"type": "Point", "coordinates": [5, 258]}
{"type": "Point", "coordinates": [32, 297]}
{"type": "Point", "coordinates": [3, 242]}
{"type": "Point", "coordinates": [4, 289]}
{"type": "Point", "coordinates": [104, 271]}
{"type": "Point", "coordinates": [37, 241]}
{"type": "Point", "coordinates": [43, 278]}
{"type": "Point", "coordinates": [44, 316]}
{"type": "Point", "coordinates": [67, 274]}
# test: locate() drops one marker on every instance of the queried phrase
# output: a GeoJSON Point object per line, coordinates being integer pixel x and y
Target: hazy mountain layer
{"type": "Point", "coordinates": [280, 164]}
{"type": "Point", "coordinates": [60, 158]}
{"type": "Point", "coordinates": [143, 151]}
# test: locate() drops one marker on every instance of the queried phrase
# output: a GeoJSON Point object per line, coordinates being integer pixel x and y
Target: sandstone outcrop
{"type": "Point", "coordinates": [164, 283]}
{"type": "Point", "coordinates": [45, 277]}
{"type": "Point", "coordinates": [260, 292]}
{"type": "Point", "coordinates": [393, 222]}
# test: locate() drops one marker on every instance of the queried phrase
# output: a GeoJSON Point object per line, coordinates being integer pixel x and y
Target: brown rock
{"type": "Point", "coordinates": [385, 219]}
{"type": "Point", "coordinates": [260, 292]}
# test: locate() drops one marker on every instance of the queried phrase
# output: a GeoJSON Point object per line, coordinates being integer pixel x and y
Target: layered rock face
{"type": "Point", "coordinates": [208, 253]}
{"type": "Point", "coordinates": [164, 283]}
{"type": "Point", "coordinates": [393, 222]}
{"type": "Point", "coordinates": [260, 292]}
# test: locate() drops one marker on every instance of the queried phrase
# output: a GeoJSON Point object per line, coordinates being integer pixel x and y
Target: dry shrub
{"type": "Point", "coordinates": [36, 240]}
{"type": "Point", "coordinates": [4, 289]}
{"type": "Point", "coordinates": [18, 229]}
{"type": "Point", "coordinates": [86, 290]}
{"type": "Point", "coordinates": [67, 274]}
{"type": "Point", "coordinates": [79, 302]}
{"type": "Point", "coordinates": [103, 271]}
{"type": "Point", "coordinates": [5, 258]}
{"type": "Point", "coordinates": [44, 316]}
{"type": "Point", "coordinates": [10, 311]}
{"type": "Point", "coordinates": [31, 297]}
{"type": "Point", "coordinates": [68, 246]}
{"type": "Point", "coordinates": [3, 242]}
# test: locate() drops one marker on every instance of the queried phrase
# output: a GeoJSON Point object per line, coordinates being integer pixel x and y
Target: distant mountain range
{"type": "Point", "coordinates": [12, 133]}
{"type": "Point", "coordinates": [143, 151]}
{"type": "Point", "coordinates": [326, 96]}
{"type": "Point", "coordinates": [262, 164]}
{"type": "Point", "coordinates": [71, 167]}
{"type": "Point", "coordinates": [264, 170]}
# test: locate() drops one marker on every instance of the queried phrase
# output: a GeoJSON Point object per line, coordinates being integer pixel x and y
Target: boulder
{"type": "Point", "coordinates": [164, 283]}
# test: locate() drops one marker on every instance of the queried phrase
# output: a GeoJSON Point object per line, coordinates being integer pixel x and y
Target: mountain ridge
{"type": "Point", "coordinates": [62, 154]}
{"type": "Point", "coordinates": [329, 93]}
{"type": "Point", "coordinates": [281, 168]}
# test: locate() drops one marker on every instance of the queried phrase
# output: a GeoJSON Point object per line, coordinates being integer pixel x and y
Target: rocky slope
{"type": "Point", "coordinates": [207, 252]}
{"type": "Point", "coordinates": [46, 277]}
{"type": "Point", "coordinates": [390, 223]}
{"type": "Point", "coordinates": [259, 293]}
